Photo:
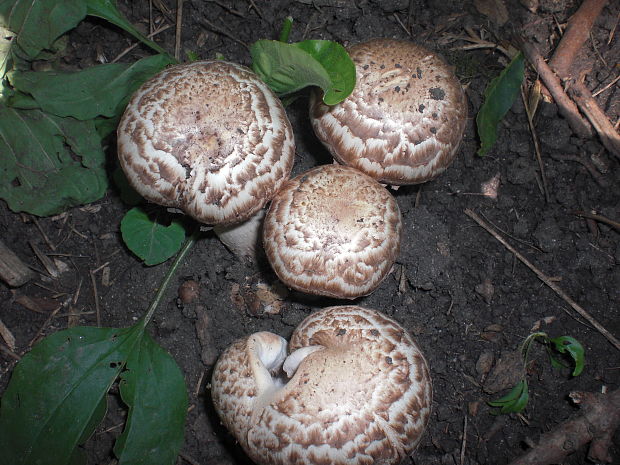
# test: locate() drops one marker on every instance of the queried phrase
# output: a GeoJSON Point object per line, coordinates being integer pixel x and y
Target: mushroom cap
{"type": "Point", "coordinates": [404, 120]}
{"type": "Point", "coordinates": [332, 231]}
{"type": "Point", "coordinates": [362, 395]}
{"type": "Point", "coordinates": [209, 138]}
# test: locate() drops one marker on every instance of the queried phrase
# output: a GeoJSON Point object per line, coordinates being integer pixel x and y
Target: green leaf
{"type": "Point", "coordinates": [129, 196]}
{"type": "Point", "coordinates": [101, 90]}
{"type": "Point", "coordinates": [570, 345]}
{"type": "Point", "coordinates": [287, 68]}
{"type": "Point", "coordinates": [37, 24]}
{"type": "Point", "coordinates": [151, 241]}
{"type": "Point", "coordinates": [154, 389]}
{"type": "Point", "coordinates": [55, 393]}
{"type": "Point", "coordinates": [515, 401]}
{"type": "Point", "coordinates": [49, 163]}
{"type": "Point", "coordinates": [107, 10]}
{"type": "Point", "coordinates": [499, 96]}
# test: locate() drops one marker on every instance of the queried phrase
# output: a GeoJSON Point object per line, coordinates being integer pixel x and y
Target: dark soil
{"type": "Point", "coordinates": [467, 300]}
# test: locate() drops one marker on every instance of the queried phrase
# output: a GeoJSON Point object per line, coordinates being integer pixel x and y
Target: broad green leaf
{"type": "Point", "coordinates": [499, 96]}
{"type": "Point", "coordinates": [56, 390]}
{"type": "Point", "coordinates": [107, 10]}
{"type": "Point", "coordinates": [37, 24]}
{"type": "Point", "coordinates": [151, 241]}
{"type": "Point", "coordinates": [101, 90]}
{"type": "Point", "coordinates": [334, 58]}
{"type": "Point", "coordinates": [153, 388]}
{"type": "Point", "coordinates": [48, 163]}
{"type": "Point", "coordinates": [570, 345]}
{"type": "Point", "coordinates": [515, 401]}
{"type": "Point", "coordinates": [287, 68]}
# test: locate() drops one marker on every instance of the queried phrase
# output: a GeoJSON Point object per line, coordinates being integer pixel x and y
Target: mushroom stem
{"type": "Point", "coordinates": [293, 360]}
{"type": "Point", "coordinates": [243, 239]}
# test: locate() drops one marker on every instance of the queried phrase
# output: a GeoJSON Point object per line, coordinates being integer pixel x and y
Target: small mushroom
{"type": "Point", "coordinates": [405, 119]}
{"type": "Point", "coordinates": [359, 391]}
{"type": "Point", "coordinates": [209, 138]}
{"type": "Point", "coordinates": [332, 231]}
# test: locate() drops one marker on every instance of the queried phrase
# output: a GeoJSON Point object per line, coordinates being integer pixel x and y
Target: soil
{"type": "Point", "coordinates": [467, 300]}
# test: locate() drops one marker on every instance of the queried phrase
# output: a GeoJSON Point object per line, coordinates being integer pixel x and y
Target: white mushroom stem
{"type": "Point", "coordinates": [243, 239]}
{"type": "Point", "coordinates": [292, 361]}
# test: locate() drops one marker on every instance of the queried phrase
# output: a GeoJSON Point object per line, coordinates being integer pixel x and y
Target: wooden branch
{"type": "Point", "coordinates": [566, 106]}
{"type": "Point", "coordinates": [596, 424]}
{"type": "Point", "coordinates": [587, 104]}
{"type": "Point", "coordinates": [575, 35]}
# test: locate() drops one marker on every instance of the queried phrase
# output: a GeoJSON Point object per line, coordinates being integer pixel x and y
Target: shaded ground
{"type": "Point", "coordinates": [466, 299]}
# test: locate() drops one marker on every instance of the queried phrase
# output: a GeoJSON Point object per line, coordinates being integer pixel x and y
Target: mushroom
{"type": "Point", "coordinates": [405, 119]}
{"type": "Point", "coordinates": [332, 231]}
{"type": "Point", "coordinates": [359, 391]}
{"type": "Point", "coordinates": [208, 138]}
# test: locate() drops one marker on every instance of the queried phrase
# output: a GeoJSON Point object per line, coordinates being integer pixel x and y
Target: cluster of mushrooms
{"type": "Point", "coordinates": [211, 139]}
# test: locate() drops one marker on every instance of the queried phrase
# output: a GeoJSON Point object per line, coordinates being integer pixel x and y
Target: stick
{"type": "Point", "coordinates": [179, 28]}
{"type": "Point", "coordinates": [545, 279]}
{"type": "Point", "coordinates": [575, 35]}
{"type": "Point", "coordinates": [12, 270]}
{"type": "Point", "coordinates": [606, 131]}
{"type": "Point", "coordinates": [566, 106]}
{"type": "Point", "coordinates": [599, 418]}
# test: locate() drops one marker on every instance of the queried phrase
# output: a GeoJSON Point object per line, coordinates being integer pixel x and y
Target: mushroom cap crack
{"type": "Point", "coordinates": [361, 395]}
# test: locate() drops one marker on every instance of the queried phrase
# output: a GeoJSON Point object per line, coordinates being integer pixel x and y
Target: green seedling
{"type": "Point", "coordinates": [516, 400]}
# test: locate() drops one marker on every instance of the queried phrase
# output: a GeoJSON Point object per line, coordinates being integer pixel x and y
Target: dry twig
{"type": "Point", "coordinates": [545, 279]}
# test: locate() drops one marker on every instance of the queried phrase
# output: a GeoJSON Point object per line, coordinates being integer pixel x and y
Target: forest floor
{"type": "Point", "coordinates": [467, 300]}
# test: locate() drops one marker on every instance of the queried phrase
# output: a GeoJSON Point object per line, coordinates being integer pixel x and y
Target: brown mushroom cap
{"type": "Point", "coordinates": [405, 119]}
{"type": "Point", "coordinates": [209, 138]}
{"type": "Point", "coordinates": [361, 395]}
{"type": "Point", "coordinates": [332, 231]}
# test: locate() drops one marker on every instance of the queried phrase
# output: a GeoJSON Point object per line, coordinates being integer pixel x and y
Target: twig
{"type": "Point", "coordinates": [545, 279]}
{"type": "Point", "coordinates": [596, 424]}
{"type": "Point", "coordinates": [596, 217]}
{"type": "Point", "coordinates": [179, 28]}
{"type": "Point", "coordinates": [575, 35]}
{"type": "Point", "coordinates": [566, 106]}
{"type": "Point", "coordinates": [209, 25]}
{"type": "Point", "coordinates": [464, 441]}
{"type": "Point", "coordinates": [606, 131]}
{"type": "Point", "coordinates": [594, 94]}
{"type": "Point", "coordinates": [533, 133]}
{"type": "Point", "coordinates": [150, 36]}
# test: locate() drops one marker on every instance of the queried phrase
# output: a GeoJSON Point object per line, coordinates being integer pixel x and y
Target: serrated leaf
{"type": "Point", "coordinates": [151, 241]}
{"type": "Point", "coordinates": [570, 345]}
{"type": "Point", "coordinates": [499, 96]}
{"type": "Point", "coordinates": [101, 90]}
{"type": "Point", "coordinates": [55, 393]}
{"type": "Point", "coordinates": [515, 401]}
{"type": "Point", "coordinates": [287, 68]}
{"type": "Point", "coordinates": [49, 163]}
{"type": "Point", "coordinates": [153, 387]}
{"type": "Point", "coordinates": [37, 24]}
{"type": "Point", "coordinates": [107, 10]}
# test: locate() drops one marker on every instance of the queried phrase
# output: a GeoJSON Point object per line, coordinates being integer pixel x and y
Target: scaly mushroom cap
{"type": "Point", "coordinates": [332, 231]}
{"type": "Point", "coordinates": [361, 392]}
{"type": "Point", "coordinates": [209, 138]}
{"type": "Point", "coordinates": [405, 119]}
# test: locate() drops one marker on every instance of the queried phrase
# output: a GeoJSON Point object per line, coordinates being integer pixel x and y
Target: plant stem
{"type": "Point", "coordinates": [159, 295]}
{"type": "Point", "coordinates": [286, 29]}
